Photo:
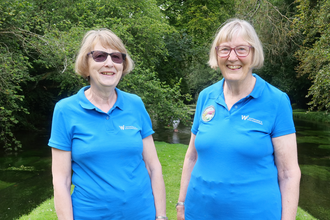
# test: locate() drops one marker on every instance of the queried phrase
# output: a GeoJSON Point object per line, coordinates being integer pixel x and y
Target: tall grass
{"type": "Point", "coordinates": [171, 157]}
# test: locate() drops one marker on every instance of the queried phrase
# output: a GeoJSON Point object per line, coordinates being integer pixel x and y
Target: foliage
{"type": "Point", "coordinates": [13, 68]}
{"type": "Point", "coordinates": [312, 21]}
{"type": "Point", "coordinates": [272, 20]}
{"type": "Point", "coordinates": [186, 61]}
{"type": "Point", "coordinates": [169, 42]}
{"type": "Point", "coordinates": [40, 39]}
{"type": "Point", "coordinates": [196, 22]}
{"type": "Point", "coordinates": [199, 18]}
{"type": "Point", "coordinates": [170, 104]}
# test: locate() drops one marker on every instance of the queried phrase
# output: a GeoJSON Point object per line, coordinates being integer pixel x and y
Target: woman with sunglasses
{"type": "Point", "coordinates": [241, 162]}
{"type": "Point", "coordinates": [104, 137]}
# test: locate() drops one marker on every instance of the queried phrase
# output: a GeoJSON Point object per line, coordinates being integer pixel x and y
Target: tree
{"type": "Point", "coordinates": [40, 39]}
{"type": "Point", "coordinates": [196, 22]}
{"type": "Point", "coordinates": [199, 18]}
{"type": "Point", "coordinates": [312, 21]}
{"type": "Point", "coordinates": [272, 20]}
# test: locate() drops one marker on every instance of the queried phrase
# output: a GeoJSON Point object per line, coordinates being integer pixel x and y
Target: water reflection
{"type": "Point", "coordinates": [166, 134]}
{"type": "Point", "coordinates": [314, 160]}
{"type": "Point", "coordinates": [25, 177]}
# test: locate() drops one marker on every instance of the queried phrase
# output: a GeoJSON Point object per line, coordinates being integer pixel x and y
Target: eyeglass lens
{"type": "Point", "coordinates": [101, 56]}
{"type": "Point", "coordinates": [241, 51]}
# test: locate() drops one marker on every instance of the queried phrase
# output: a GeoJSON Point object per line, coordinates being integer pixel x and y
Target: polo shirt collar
{"type": "Point", "coordinates": [258, 87]}
{"type": "Point", "coordinates": [86, 104]}
{"type": "Point", "coordinates": [256, 92]}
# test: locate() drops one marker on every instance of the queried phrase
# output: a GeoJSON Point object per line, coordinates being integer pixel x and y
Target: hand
{"type": "Point", "coordinates": [180, 212]}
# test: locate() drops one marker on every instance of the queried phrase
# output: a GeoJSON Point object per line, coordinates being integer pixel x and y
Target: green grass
{"type": "Point", "coordinates": [4, 184]}
{"type": "Point", "coordinates": [311, 116]}
{"type": "Point", "coordinates": [45, 211]}
{"type": "Point", "coordinates": [171, 157]}
{"type": "Point", "coordinates": [303, 215]}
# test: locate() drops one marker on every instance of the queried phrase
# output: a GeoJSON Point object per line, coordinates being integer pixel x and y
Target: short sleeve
{"type": "Point", "coordinates": [283, 124]}
{"type": "Point", "coordinates": [145, 120]}
{"type": "Point", "coordinates": [198, 113]}
{"type": "Point", "coordinates": [60, 137]}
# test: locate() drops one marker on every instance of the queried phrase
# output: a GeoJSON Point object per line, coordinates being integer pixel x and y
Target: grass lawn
{"type": "Point", "coordinates": [171, 157]}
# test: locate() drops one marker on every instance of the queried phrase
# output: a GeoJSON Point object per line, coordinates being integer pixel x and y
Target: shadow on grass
{"type": "Point", "coordinates": [21, 198]}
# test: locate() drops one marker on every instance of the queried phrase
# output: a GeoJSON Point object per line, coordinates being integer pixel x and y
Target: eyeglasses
{"type": "Point", "coordinates": [101, 56]}
{"type": "Point", "coordinates": [241, 51]}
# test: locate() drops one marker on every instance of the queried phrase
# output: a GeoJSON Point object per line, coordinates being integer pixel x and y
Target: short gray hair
{"type": "Point", "coordinates": [230, 29]}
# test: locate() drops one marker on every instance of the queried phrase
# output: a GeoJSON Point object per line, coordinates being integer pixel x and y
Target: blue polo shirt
{"type": "Point", "coordinates": [110, 177]}
{"type": "Point", "coordinates": [235, 176]}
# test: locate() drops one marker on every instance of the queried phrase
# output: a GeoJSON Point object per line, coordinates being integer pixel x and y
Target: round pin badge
{"type": "Point", "coordinates": [208, 113]}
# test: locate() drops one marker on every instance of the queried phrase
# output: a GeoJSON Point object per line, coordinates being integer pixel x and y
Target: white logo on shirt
{"type": "Point", "coordinates": [244, 117]}
{"type": "Point", "coordinates": [123, 127]}
{"type": "Point", "coordinates": [247, 117]}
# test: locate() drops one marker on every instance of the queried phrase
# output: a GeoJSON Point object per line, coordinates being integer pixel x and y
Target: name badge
{"type": "Point", "coordinates": [208, 113]}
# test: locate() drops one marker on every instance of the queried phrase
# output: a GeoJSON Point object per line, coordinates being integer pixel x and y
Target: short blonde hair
{"type": "Point", "coordinates": [108, 39]}
{"type": "Point", "coordinates": [237, 27]}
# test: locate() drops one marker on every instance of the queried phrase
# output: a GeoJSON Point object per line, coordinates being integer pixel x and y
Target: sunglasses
{"type": "Point", "coordinates": [101, 56]}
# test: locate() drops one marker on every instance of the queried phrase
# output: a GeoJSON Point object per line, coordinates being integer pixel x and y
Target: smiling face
{"type": "Point", "coordinates": [104, 75]}
{"type": "Point", "coordinates": [233, 68]}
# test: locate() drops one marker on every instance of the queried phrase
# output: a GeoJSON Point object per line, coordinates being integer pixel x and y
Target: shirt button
{"type": "Point", "coordinates": [236, 106]}
{"type": "Point", "coordinates": [107, 117]}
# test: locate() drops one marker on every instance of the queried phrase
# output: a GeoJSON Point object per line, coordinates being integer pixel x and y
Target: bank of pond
{"type": "Point", "coordinates": [26, 182]}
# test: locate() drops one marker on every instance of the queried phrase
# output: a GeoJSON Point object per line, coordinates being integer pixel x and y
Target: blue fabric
{"type": "Point", "coordinates": [235, 176]}
{"type": "Point", "coordinates": [110, 177]}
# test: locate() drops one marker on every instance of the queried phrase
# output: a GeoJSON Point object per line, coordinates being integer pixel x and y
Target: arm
{"type": "Point", "coordinates": [155, 172]}
{"type": "Point", "coordinates": [188, 165]}
{"type": "Point", "coordinates": [61, 169]}
{"type": "Point", "coordinates": [286, 159]}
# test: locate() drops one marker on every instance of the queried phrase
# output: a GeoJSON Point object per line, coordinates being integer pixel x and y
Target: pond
{"type": "Point", "coordinates": [25, 177]}
{"type": "Point", "coordinates": [314, 160]}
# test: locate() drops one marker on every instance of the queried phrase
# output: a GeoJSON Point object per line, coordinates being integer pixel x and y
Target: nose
{"type": "Point", "coordinates": [232, 54]}
{"type": "Point", "coordinates": [108, 61]}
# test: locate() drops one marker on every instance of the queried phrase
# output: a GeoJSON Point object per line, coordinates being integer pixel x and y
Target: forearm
{"type": "Point", "coordinates": [61, 170]}
{"type": "Point", "coordinates": [289, 187]}
{"type": "Point", "coordinates": [158, 189]}
{"type": "Point", "coordinates": [286, 160]}
{"type": "Point", "coordinates": [188, 166]}
{"type": "Point", "coordinates": [63, 203]}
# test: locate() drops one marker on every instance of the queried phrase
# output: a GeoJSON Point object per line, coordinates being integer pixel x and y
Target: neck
{"type": "Point", "coordinates": [103, 100]}
{"type": "Point", "coordinates": [235, 91]}
{"type": "Point", "coordinates": [239, 88]}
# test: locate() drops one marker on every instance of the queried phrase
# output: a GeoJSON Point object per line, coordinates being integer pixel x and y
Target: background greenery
{"type": "Point", "coordinates": [169, 42]}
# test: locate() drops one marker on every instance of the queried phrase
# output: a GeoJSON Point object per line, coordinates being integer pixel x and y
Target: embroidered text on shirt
{"type": "Point", "coordinates": [247, 117]}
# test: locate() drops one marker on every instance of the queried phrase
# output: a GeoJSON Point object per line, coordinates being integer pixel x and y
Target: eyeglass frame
{"type": "Point", "coordinates": [108, 54]}
{"type": "Point", "coordinates": [233, 48]}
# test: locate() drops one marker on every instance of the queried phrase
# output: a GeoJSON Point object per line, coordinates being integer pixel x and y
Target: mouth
{"type": "Point", "coordinates": [234, 67]}
{"type": "Point", "coordinates": [108, 73]}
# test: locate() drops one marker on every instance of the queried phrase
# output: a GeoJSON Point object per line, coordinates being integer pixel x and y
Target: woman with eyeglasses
{"type": "Point", "coordinates": [104, 137]}
{"type": "Point", "coordinates": [241, 162]}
